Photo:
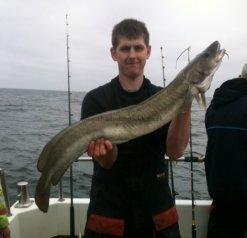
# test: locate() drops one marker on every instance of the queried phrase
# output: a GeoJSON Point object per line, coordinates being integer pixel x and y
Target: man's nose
{"type": "Point", "coordinates": [132, 52]}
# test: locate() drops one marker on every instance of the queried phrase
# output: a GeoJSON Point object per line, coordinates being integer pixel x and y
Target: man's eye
{"type": "Point", "coordinates": [139, 48]}
{"type": "Point", "coordinates": [125, 49]}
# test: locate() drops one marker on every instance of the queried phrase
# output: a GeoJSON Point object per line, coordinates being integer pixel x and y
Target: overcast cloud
{"type": "Point", "coordinates": [33, 43]}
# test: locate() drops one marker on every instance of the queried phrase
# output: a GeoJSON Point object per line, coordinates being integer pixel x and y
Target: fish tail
{"type": "Point", "coordinates": [42, 193]}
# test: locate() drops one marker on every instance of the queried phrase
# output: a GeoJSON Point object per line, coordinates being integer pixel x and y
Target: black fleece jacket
{"type": "Point", "coordinates": [226, 154]}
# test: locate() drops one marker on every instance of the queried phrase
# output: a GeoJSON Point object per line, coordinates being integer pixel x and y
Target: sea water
{"type": "Point", "coordinates": [30, 118]}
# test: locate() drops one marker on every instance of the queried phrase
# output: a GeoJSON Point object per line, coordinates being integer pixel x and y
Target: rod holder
{"type": "Point", "coordinates": [24, 199]}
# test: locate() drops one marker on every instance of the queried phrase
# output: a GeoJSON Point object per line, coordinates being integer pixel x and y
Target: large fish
{"type": "Point", "coordinates": [127, 123]}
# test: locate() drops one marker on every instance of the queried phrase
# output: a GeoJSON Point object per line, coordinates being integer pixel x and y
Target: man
{"type": "Point", "coordinates": [130, 196]}
{"type": "Point", "coordinates": [4, 230]}
{"type": "Point", "coordinates": [226, 158]}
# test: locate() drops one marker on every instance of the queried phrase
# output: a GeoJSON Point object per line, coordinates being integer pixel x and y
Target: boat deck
{"type": "Point", "coordinates": [31, 222]}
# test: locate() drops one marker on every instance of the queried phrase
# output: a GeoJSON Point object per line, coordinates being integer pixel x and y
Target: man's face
{"type": "Point", "coordinates": [131, 56]}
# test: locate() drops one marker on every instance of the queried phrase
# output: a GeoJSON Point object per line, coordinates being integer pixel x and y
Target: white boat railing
{"type": "Point", "coordinates": [197, 158]}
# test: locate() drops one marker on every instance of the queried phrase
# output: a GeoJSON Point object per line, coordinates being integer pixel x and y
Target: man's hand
{"type": "Point", "coordinates": [5, 232]}
{"type": "Point", "coordinates": [103, 151]}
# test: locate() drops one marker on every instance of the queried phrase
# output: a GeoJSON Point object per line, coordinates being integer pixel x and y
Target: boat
{"type": "Point", "coordinates": [27, 221]}
{"type": "Point", "coordinates": [32, 223]}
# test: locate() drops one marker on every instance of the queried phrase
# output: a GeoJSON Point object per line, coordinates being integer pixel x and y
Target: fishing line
{"type": "Point", "coordinates": [188, 50]}
{"type": "Point", "coordinates": [72, 213]}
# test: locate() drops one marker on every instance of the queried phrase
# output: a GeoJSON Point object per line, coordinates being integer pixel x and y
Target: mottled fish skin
{"type": "Point", "coordinates": [126, 123]}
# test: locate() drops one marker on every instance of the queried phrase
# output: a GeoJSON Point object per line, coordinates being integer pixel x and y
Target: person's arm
{"type": "Point", "coordinates": [178, 135]}
{"type": "Point", "coordinates": [4, 230]}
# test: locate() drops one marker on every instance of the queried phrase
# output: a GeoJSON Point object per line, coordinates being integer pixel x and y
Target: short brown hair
{"type": "Point", "coordinates": [130, 28]}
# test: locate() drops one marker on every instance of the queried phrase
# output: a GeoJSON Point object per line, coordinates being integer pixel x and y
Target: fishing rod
{"type": "Point", "coordinates": [72, 212]}
{"type": "Point", "coordinates": [163, 66]}
{"type": "Point", "coordinates": [193, 226]}
{"type": "Point", "coordinates": [174, 193]}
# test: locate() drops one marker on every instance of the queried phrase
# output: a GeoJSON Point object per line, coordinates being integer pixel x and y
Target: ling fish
{"type": "Point", "coordinates": [126, 123]}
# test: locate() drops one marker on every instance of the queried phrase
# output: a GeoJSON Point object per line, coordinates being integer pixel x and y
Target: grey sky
{"type": "Point", "coordinates": [33, 46]}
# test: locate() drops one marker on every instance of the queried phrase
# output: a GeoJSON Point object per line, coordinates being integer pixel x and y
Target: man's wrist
{"type": "Point", "coordinates": [107, 161]}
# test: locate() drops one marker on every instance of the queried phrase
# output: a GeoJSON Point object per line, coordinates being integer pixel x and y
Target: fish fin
{"type": "Point", "coordinates": [204, 102]}
{"type": "Point", "coordinates": [42, 193]}
{"type": "Point", "coordinates": [44, 156]}
{"type": "Point", "coordinates": [58, 174]}
{"type": "Point", "coordinates": [201, 99]}
{"type": "Point", "coordinates": [198, 99]}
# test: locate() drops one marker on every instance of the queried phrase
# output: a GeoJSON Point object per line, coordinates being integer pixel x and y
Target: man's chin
{"type": "Point", "coordinates": [133, 75]}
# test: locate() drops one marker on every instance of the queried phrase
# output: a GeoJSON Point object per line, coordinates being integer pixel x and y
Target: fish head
{"type": "Point", "coordinates": [204, 67]}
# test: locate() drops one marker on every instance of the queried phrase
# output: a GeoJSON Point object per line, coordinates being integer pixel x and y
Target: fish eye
{"type": "Point", "coordinates": [201, 73]}
{"type": "Point", "coordinates": [206, 54]}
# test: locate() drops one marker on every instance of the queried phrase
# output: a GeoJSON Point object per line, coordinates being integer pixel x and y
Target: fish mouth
{"type": "Point", "coordinates": [214, 50]}
{"type": "Point", "coordinates": [213, 56]}
{"type": "Point", "coordinates": [221, 54]}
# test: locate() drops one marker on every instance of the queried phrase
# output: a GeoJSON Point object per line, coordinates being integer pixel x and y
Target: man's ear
{"type": "Point", "coordinates": [149, 51]}
{"type": "Point", "coordinates": [113, 54]}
